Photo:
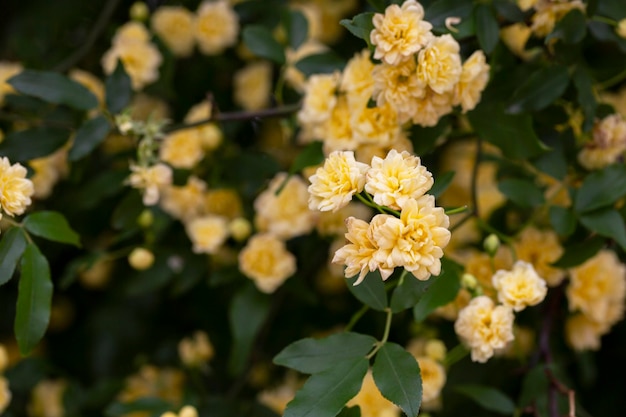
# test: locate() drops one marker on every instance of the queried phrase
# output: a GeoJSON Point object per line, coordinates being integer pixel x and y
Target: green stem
{"type": "Point", "coordinates": [612, 81]}
{"type": "Point", "coordinates": [356, 317]}
{"type": "Point", "coordinates": [456, 210]}
{"type": "Point", "coordinates": [455, 354]}
{"type": "Point", "coordinates": [382, 341]}
{"type": "Point", "coordinates": [606, 20]}
{"type": "Point", "coordinates": [367, 203]}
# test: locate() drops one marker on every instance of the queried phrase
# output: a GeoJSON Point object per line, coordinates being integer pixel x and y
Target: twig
{"type": "Point", "coordinates": [96, 30]}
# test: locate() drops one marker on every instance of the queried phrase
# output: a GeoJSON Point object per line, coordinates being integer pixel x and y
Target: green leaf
{"type": "Point", "coordinates": [524, 193]}
{"type": "Point", "coordinates": [298, 29]}
{"type": "Point", "coordinates": [371, 291]}
{"type": "Point", "coordinates": [535, 383]}
{"type": "Point", "coordinates": [572, 28]}
{"type": "Point", "coordinates": [408, 293]}
{"type": "Point", "coordinates": [579, 252]}
{"type": "Point", "coordinates": [153, 278]}
{"type": "Point", "coordinates": [442, 289]}
{"type": "Point", "coordinates": [51, 225]}
{"type": "Point", "coordinates": [126, 212]}
{"type": "Point", "coordinates": [33, 300]}
{"type": "Point", "coordinates": [563, 220]}
{"type": "Point", "coordinates": [606, 223]}
{"type": "Point", "coordinates": [12, 245]}
{"type": "Point", "coordinates": [323, 63]}
{"type": "Point", "coordinates": [91, 134]}
{"type": "Point", "coordinates": [354, 411]}
{"type": "Point", "coordinates": [583, 81]}
{"type": "Point", "coordinates": [378, 5]}
{"type": "Point", "coordinates": [261, 43]}
{"type": "Point", "coordinates": [118, 89]}
{"type": "Point", "coordinates": [326, 393]}
{"type": "Point", "coordinates": [540, 90]}
{"type": "Point", "coordinates": [360, 26]}
{"type": "Point", "coordinates": [311, 355]}
{"type": "Point", "coordinates": [151, 405]}
{"type": "Point", "coordinates": [310, 156]}
{"type": "Point", "coordinates": [495, 126]}
{"type": "Point", "coordinates": [487, 29]}
{"type": "Point", "coordinates": [397, 376]}
{"type": "Point", "coordinates": [247, 313]}
{"type": "Point", "coordinates": [601, 188]}
{"type": "Point", "coordinates": [24, 145]}
{"type": "Point", "coordinates": [54, 88]}
{"type": "Point", "coordinates": [442, 182]}
{"type": "Point", "coordinates": [488, 398]}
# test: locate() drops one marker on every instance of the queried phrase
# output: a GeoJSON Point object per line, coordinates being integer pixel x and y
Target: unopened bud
{"type": "Point", "coordinates": [145, 219]}
{"type": "Point", "coordinates": [621, 29]}
{"type": "Point", "coordinates": [240, 229]}
{"type": "Point", "coordinates": [140, 259]}
{"type": "Point", "coordinates": [188, 411]}
{"type": "Point", "coordinates": [435, 349]}
{"type": "Point", "coordinates": [4, 358]}
{"type": "Point", "coordinates": [469, 282]}
{"type": "Point", "coordinates": [124, 123]}
{"type": "Point", "coordinates": [139, 11]}
{"type": "Point", "coordinates": [491, 244]}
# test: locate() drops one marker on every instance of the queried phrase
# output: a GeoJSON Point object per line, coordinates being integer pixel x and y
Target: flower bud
{"type": "Point", "coordinates": [240, 228]}
{"type": "Point", "coordinates": [188, 411]}
{"type": "Point", "coordinates": [140, 259]}
{"type": "Point", "coordinates": [469, 282]}
{"type": "Point", "coordinates": [4, 358]}
{"type": "Point", "coordinates": [621, 29]}
{"type": "Point", "coordinates": [435, 349]}
{"type": "Point", "coordinates": [145, 219]}
{"type": "Point", "coordinates": [124, 123]}
{"type": "Point", "coordinates": [139, 11]}
{"type": "Point", "coordinates": [491, 244]}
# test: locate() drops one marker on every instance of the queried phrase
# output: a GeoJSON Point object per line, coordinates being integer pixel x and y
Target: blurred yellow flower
{"type": "Point", "coordinates": [196, 350]}
{"type": "Point", "coordinates": [141, 258]}
{"type": "Point", "coordinates": [397, 179]}
{"type": "Point", "coordinates": [89, 81]}
{"type": "Point", "coordinates": [182, 149]}
{"type": "Point", "coordinates": [583, 333]}
{"type": "Point", "coordinates": [621, 28]}
{"type": "Point", "coordinates": [174, 25]}
{"type": "Point", "coordinates": [333, 223]}
{"type": "Point", "coordinates": [318, 103]}
{"type": "Point", "coordinates": [433, 378]}
{"type": "Point", "coordinates": [371, 401]}
{"type": "Point", "coordinates": [608, 143]}
{"type": "Point", "coordinates": [15, 189]}
{"type": "Point", "coordinates": [216, 27]}
{"type": "Point", "coordinates": [253, 85]}
{"type": "Point", "coordinates": [186, 202]}
{"type": "Point", "coordinates": [484, 327]}
{"type": "Point", "coordinates": [439, 64]}
{"type": "Point", "coordinates": [520, 287]}
{"type": "Point", "coordinates": [4, 358]}
{"type": "Point", "coordinates": [515, 37]}
{"type": "Point", "coordinates": [400, 32]}
{"type": "Point", "coordinates": [5, 394]}
{"type": "Point", "coordinates": [541, 248]}
{"type": "Point", "coordinates": [150, 381]}
{"type": "Point", "coordinates": [548, 12]}
{"type": "Point", "coordinates": [47, 399]}
{"type": "Point", "coordinates": [333, 185]}
{"type": "Point", "coordinates": [210, 134]}
{"type": "Point", "coordinates": [472, 82]}
{"type": "Point", "coordinates": [48, 171]}
{"type": "Point", "coordinates": [207, 233]}
{"type": "Point", "coordinates": [266, 260]}
{"type": "Point", "coordinates": [356, 78]}
{"type": "Point", "coordinates": [223, 202]}
{"type": "Point", "coordinates": [7, 70]}
{"type": "Point", "coordinates": [150, 180]}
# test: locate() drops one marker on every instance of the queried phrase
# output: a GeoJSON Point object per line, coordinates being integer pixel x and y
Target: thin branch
{"type": "Point", "coordinates": [239, 116]}
{"type": "Point", "coordinates": [96, 30]}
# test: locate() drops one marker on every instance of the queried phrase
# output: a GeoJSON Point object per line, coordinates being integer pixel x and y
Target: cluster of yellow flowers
{"type": "Point", "coordinates": [150, 381]}
{"type": "Point", "coordinates": [15, 189]}
{"type": "Point", "coordinates": [413, 238]}
{"type": "Point", "coordinates": [596, 293]}
{"type": "Point", "coordinates": [607, 145]}
{"type": "Point", "coordinates": [548, 12]}
{"type": "Point", "coordinates": [430, 354]}
{"type": "Point", "coordinates": [486, 327]}
{"type": "Point", "coordinates": [5, 393]}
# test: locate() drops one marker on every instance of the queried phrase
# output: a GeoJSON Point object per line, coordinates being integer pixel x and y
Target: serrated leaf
{"type": "Point", "coordinates": [579, 252]}
{"type": "Point", "coordinates": [310, 156]}
{"type": "Point", "coordinates": [54, 88]}
{"type": "Point", "coordinates": [261, 43]}
{"type": "Point", "coordinates": [315, 355]}
{"type": "Point", "coordinates": [606, 223]}
{"type": "Point", "coordinates": [37, 142]}
{"type": "Point", "coordinates": [540, 90]}
{"type": "Point", "coordinates": [51, 225]}
{"type": "Point", "coordinates": [34, 299]}
{"type": "Point", "coordinates": [12, 245]}
{"type": "Point", "coordinates": [324, 63]}
{"type": "Point", "coordinates": [442, 289]}
{"type": "Point", "coordinates": [247, 313]}
{"type": "Point", "coordinates": [360, 26]}
{"type": "Point", "coordinates": [563, 220]}
{"type": "Point", "coordinates": [489, 398]}
{"type": "Point", "coordinates": [408, 293]}
{"type": "Point", "coordinates": [522, 192]}
{"type": "Point", "coordinates": [601, 188]}
{"type": "Point", "coordinates": [397, 376]}
{"type": "Point", "coordinates": [118, 89]}
{"type": "Point", "coordinates": [91, 134]}
{"type": "Point", "coordinates": [487, 28]}
{"type": "Point", "coordinates": [571, 29]}
{"type": "Point", "coordinates": [326, 393]}
{"type": "Point", "coordinates": [371, 291]}
{"type": "Point", "coordinates": [442, 182]}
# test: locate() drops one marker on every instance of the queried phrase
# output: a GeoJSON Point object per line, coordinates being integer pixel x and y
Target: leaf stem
{"type": "Point", "coordinates": [456, 210]}
{"type": "Point", "coordinates": [356, 317]}
{"type": "Point", "coordinates": [382, 341]}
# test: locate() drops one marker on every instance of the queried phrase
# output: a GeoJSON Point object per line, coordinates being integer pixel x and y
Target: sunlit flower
{"type": "Point", "coordinates": [195, 350]}
{"type": "Point", "coordinates": [216, 27]}
{"type": "Point", "coordinates": [334, 184]}
{"type": "Point", "coordinates": [608, 143]}
{"type": "Point", "coordinates": [541, 248]}
{"type": "Point", "coordinates": [207, 233]}
{"type": "Point", "coordinates": [318, 103]}
{"type": "Point", "coordinates": [357, 254]}
{"type": "Point", "coordinates": [7, 70]}
{"type": "Point", "coordinates": [399, 86]}
{"type": "Point", "coordinates": [371, 401]}
{"type": "Point", "coordinates": [597, 288]}
{"type": "Point", "coordinates": [15, 189]}
{"type": "Point", "coordinates": [266, 260]}
{"type": "Point", "coordinates": [253, 85]}
{"type": "Point", "coordinates": [398, 178]}
{"type": "Point", "coordinates": [400, 32]}
{"type": "Point", "coordinates": [287, 214]}
{"type": "Point", "coordinates": [484, 327]}
{"type": "Point", "coordinates": [431, 107]}
{"type": "Point", "coordinates": [472, 82]}
{"type": "Point", "coordinates": [521, 287]}
{"type": "Point", "coordinates": [184, 202]}
{"type": "Point", "coordinates": [47, 399]}
{"type": "Point", "coordinates": [174, 25]}
{"type": "Point", "coordinates": [376, 125]}
{"type": "Point", "coordinates": [151, 180]}
{"type": "Point", "coordinates": [439, 64]}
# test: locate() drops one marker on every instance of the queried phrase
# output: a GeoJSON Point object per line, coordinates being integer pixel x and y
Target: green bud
{"type": "Point", "coordinates": [491, 244]}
